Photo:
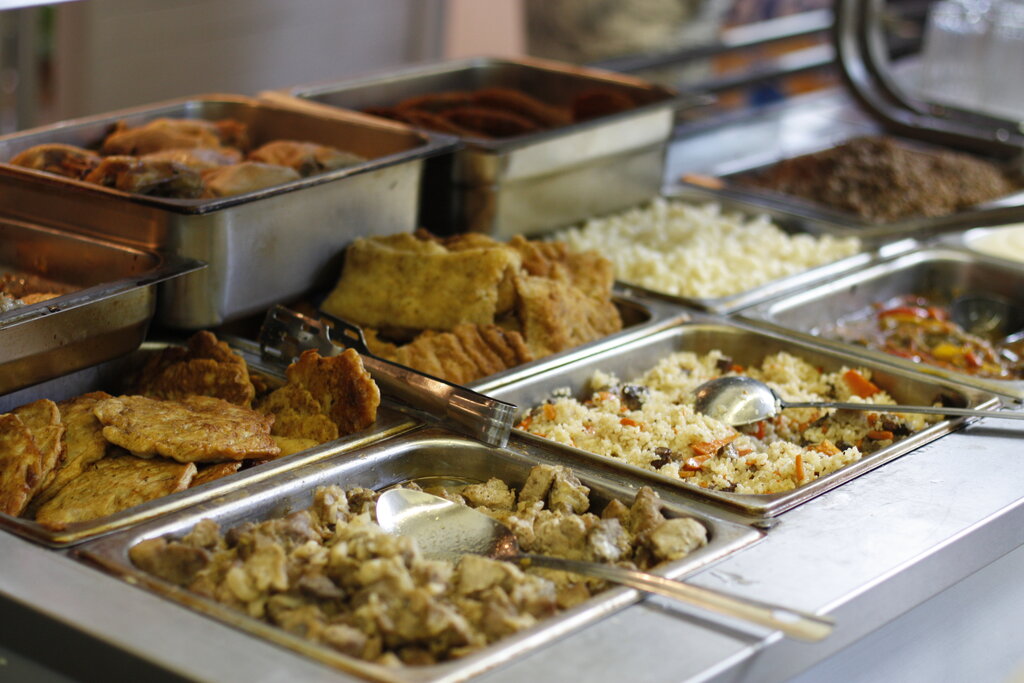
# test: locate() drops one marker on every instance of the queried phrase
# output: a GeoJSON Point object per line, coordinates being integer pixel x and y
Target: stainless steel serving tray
{"type": "Point", "coordinates": [530, 183]}
{"type": "Point", "coordinates": [107, 314]}
{"type": "Point", "coordinates": [424, 454]}
{"type": "Point", "coordinates": [940, 273]}
{"type": "Point", "coordinates": [261, 247]}
{"type": "Point", "coordinates": [111, 376]}
{"type": "Point", "coordinates": [772, 147]}
{"type": "Point", "coordinates": [747, 345]}
{"type": "Point", "coordinates": [790, 223]}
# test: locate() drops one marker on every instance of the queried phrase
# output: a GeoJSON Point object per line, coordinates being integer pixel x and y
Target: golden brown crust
{"type": "Point", "coordinates": [207, 367]}
{"type": "Point", "coordinates": [342, 386]}
{"type": "Point", "coordinates": [194, 429]}
{"type": "Point", "coordinates": [298, 415]}
{"type": "Point", "coordinates": [113, 484]}
{"type": "Point", "coordinates": [20, 465]}
{"type": "Point", "coordinates": [42, 418]}
{"type": "Point", "coordinates": [556, 316]}
{"type": "Point", "coordinates": [84, 442]}
{"type": "Point", "coordinates": [214, 472]}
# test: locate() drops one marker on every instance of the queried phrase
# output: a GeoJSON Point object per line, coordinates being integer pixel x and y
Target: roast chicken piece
{"type": "Point", "coordinates": [305, 157]}
{"type": "Point", "coordinates": [163, 134]}
{"type": "Point", "coordinates": [65, 160]}
{"type": "Point", "coordinates": [247, 176]}
{"type": "Point", "coordinates": [158, 178]}
{"type": "Point", "coordinates": [198, 159]}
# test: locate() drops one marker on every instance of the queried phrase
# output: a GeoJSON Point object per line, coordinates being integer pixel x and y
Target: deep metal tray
{"type": "Point", "coordinates": [429, 454]}
{"type": "Point", "coordinates": [757, 142]}
{"type": "Point", "coordinates": [748, 346]}
{"type": "Point", "coordinates": [530, 183]}
{"type": "Point", "coordinates": [111, 376]}
{"type": "Point", "coordinates": [792, 224]}
{"type": "Point", "coordinates": [262, 247]}
{"type": "Point", "coordinates": [107, 314]}
{"type": "Point", "coordinates": [939, 273]}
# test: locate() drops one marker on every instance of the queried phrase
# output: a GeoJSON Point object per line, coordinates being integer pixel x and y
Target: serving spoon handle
{"type": "Point", "coordinates": [926, 410]}
{"type": "Point", "coordinates": [794, 623]}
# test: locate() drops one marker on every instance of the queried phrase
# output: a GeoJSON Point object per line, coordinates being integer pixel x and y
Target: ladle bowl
{"type": "Point", "coordinates": [447, 530]}
{"type": "Point", "coordinates": [739, 400]}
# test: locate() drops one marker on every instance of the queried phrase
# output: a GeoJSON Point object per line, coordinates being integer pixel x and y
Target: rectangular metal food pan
{"type": "Point", "coordinates": [111, 376]}
{"type": "Point", "coordinates": [530, 183]}
{"type": "Point", "coordinates": [755, 143]}
{"type": "Point", "coordinates": [261, 247]}
{"type": "Point", "coordinates": [746, 345]}
{"type": "Point", "coordinates": [111, 299]}
{"type": "Point", "coordinates": [790, 223]}
{"type": "Point", "coordinates": [427, 454]}
{"type": "Point", "coordinates": [939, 273]}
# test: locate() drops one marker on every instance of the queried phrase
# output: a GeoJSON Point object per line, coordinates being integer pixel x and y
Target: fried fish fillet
{"type": "Point", "coordinates": [20, 464]}
{"type": "Point", "coordinates": [207, 367]}
{"type": "Point", "coordinates": [83, 440]}
{"type": "Point", "coordinates": [338, 387]}
{"type": "Point", "coordinates": [113, 484]}
{"type": "Point", "coordinates": [42, 418]}
{"type": "Point", "coordinates": [404, 281]}
{"type": "Point", "coordinates": [214, 472]}
{"type": "Point", "coordinates": [194, 429]}
{"type": "Point", "coordinates": [463, 355]}
{"type": "Point", "coordinates": [588, 271]}
{"type": "Point", "coordinates": [556, 316]}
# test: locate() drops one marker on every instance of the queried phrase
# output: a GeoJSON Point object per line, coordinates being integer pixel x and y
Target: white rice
{"type": "Point", "coordinates": [698, 251]}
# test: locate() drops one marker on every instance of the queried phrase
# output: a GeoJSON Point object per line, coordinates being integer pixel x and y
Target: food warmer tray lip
{"type": "Point", "coordinates": [760, 316]}
{"type": "Point", "coordinates": [166, 266]}
{"type": "Point", "coordinates": [791, 222]}
{"type": "Point", "coordinates": [111, 553]}
{"type": "Point", "coordinates": [390, 421]}
{"type": "Point", "coordinates": [761, 506]}
{"type": "Point", "coordinates": [665, 96]}
{"type": "Point", "coordinates": [431, 144]}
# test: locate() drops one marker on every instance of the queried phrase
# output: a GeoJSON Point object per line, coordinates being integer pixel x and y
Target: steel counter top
{"type": "Point", "coordinates": [866, 552]}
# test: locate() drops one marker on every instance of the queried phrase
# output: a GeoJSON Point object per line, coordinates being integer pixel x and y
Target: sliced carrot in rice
{"type": "Point", "coordinates": [860, 385]}
{"type": "Point", "coordinates": [709, 447]}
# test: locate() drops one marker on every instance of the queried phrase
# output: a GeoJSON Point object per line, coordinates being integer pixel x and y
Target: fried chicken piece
{"type": "Point", "coordinates": [556, 316]}
{"type": "Point", "coordinates": [150, 177]}
{"type": "Point", "coordinates": [466, 354]}
{"type": "Point", "coordinates": [113, 484]}
{"type": "Point", "coordinates": [83, 440]}
{"type": "Point", "coordinates": [42, 418]}
{"type": "Point", "coordinates": [163, 133]}
{"type": "Point", "coordinates": [436, 101]}
{"type": "Point", "coordinates": [432, 121]}
{"type": "Point", "coordinates": [65, 160]}
{"type": "Point", "coordinates": [298, 415]}
{"type": "Point", "coordinates": [207, 367]}
{"type": "Point", "coordinates": [20, 465]}
{"type": "Point", "coordinates": [194, 429]}
{"type": "Point", "coordinates": [214, 472]}
{"type": "Point", "coordinates": [198, 159]}
{"type": "Point", "coordinates": [340, 387]}
{"type": "Point", "coordinates": [248, 176]}
{"type": "Point", "coordinates": [588, 271]}
{"type": "Point", "coordinates": [405, 281]}
{"type": "Point", "coordinates": [306, 158]}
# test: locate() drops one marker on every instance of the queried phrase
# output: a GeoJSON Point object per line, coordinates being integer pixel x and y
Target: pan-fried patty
{"type": "Point", "coordinates": [20, 464]}
{"type": "Point", "coordinates": [194, 429]}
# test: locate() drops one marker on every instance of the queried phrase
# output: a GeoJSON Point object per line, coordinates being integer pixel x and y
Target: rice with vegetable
{"type": "Point", "coordinates": [700, 251]}
{"type": "Point", "coordinates": [650, 422]}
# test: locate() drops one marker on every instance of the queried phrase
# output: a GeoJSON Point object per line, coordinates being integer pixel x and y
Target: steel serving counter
{"type": "Point", "coordinates": [918, 560]}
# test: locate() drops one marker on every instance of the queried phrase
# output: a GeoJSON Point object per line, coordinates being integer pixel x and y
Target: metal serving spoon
{"type": "Point", "coordinates": [992, 317]}
{"type": "Point", "coordinates": [447, 530]}
{"type": "Point", "coordinates": [738, 400]}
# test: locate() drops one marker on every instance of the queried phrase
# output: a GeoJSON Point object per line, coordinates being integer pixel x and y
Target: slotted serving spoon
{"type": "Point", "coordinates": [447, 530]}
{"type": "Point", "coordinates": [739, 400]}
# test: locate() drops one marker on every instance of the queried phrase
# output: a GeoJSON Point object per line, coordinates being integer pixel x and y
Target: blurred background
{"type": "Point", "coordinates": [64, 60]}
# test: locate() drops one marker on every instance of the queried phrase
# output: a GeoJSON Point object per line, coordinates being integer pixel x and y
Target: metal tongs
{"type": "Point", "coordinates": [285, 334]}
